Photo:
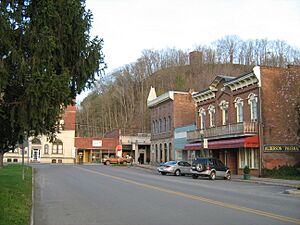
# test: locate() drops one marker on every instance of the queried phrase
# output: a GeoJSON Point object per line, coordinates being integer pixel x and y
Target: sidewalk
{"type": "Point", "coordinates": [260, 180]}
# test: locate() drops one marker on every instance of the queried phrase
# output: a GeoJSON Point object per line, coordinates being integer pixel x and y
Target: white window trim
{"type": "Point", "coordinates": [212, 116]}
{"type": "Point", "coordinates": [237, 102]}
{"type": "Point", "coordinates": [224, 106]}
{"type": "Point", "coordinates": [251, 99]}
{"type": "Point", "coordinates": [202, 115]}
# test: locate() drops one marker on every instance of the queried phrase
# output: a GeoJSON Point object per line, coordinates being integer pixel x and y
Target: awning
{"type": "Point", "coordinates": [245, 142]}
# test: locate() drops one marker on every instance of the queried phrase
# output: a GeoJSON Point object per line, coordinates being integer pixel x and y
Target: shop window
{"type": "Point", "coordinates": [15, 160]}
{"type": "Point", "coordinates": [252, 101]}
{"type": "Point", "coordinates": [248, 157]}
{"type": "Point", "coordinates": [59, 161]}
{"type": "Point", "coordinates": [8, 160]}
{"type": "Point", "coordinates": [53, 160]}
{"type": "Point", "coordinates": [239, 105]}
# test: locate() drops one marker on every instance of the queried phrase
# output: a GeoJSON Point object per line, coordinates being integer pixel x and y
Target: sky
{"type": "Point", "coordinates": [130, 26]}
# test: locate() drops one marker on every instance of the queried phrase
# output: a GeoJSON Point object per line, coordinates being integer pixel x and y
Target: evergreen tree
{"type": "Point", "coordinates": [47, 57]}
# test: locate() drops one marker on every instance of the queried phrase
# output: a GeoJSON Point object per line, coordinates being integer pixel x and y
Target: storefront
{"type": "Point", "coordinates": [234, 153]}
{"type": "Point", "coordinates": [93, 150]}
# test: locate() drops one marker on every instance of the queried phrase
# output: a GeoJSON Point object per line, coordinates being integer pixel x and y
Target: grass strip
{"type": "Point", "coordinates": [15, 195]}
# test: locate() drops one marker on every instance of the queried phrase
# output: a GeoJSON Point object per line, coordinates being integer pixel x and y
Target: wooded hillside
{"type": "Point", "coordinates": [120, 98]}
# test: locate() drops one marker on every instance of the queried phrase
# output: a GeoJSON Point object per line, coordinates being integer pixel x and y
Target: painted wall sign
{"type": "Point", "coordinates": [281, 148]}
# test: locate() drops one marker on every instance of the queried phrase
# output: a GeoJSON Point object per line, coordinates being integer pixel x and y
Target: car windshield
{"type": "Point", "coordinates": [170, 163]}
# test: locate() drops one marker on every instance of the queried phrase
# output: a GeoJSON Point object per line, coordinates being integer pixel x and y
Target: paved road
{"type": "Point", "coordinates": [107, 195]}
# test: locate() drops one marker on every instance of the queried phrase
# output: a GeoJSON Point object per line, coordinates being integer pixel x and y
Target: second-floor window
{"type": "Point", "coordinates": [160, 126]}
{"type": "Point", "coordinates": [165, 124]}
{"type": "Point", "coordinates": [224, 109]}
{"type": "Point", "coordinates": [169, 122]}
{"type": "Point", "coordinates": [202, 118]}
{"type": "Point", "coordinates": [212, 116]}
{"type": "Point", "coordinates": [252, 101]}
{"type": "Point", "coordinates": [239, 105]}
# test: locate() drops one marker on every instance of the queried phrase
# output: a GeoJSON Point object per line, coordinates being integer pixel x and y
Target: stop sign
{"type": "Point", "coordinates": [119, 148]}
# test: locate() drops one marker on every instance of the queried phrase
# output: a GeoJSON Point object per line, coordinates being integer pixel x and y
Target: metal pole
{"type": "Point", "coordinates": [22, 149]}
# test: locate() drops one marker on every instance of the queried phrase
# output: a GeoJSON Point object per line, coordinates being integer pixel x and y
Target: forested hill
{"type": "Point", "coordinates": [120, 99]}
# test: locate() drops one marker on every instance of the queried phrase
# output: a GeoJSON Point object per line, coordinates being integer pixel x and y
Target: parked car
{"type": "Point", "coordinates": [174, 167]}
{"type": "Point", "coordinates": [116, 160]}
{"type": "Point", "coordinates": [210, 167]}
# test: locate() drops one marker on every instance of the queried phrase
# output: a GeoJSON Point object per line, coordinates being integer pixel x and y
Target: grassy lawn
{"type": "Point", "coordinates": [15, 195]}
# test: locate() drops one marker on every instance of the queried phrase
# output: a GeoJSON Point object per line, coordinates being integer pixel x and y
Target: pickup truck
{"type": "Point", "coordinates": [116, 160]}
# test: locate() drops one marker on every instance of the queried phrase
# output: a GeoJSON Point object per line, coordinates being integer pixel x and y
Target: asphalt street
{"type": "Point", "coordinates": [110, 195]}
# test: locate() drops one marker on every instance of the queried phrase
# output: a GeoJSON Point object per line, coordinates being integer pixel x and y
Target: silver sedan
{"type": "Point", "coordinates": [175, 167]}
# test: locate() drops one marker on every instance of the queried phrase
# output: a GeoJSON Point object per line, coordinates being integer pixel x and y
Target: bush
{"type": "Point", "coordinates": [246, 170]}
{"type": "Point", "coordinates": [282, 171]}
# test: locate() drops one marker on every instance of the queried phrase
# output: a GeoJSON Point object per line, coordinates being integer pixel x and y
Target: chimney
{"type": "Point", "coordinates": [196, 58]}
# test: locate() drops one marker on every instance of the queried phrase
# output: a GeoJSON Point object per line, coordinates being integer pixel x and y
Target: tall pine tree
{"type": "Point", "coordinates": [47, 57]}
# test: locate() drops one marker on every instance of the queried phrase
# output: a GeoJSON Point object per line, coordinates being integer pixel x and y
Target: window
{"type": "Point", "coordinates": [57, 147]}
{"type": "Point", "coordinates": [212, 116]}
{"type": "Point", "coordinates": [36, 141]}
{"type": "Point", "coordinates": [160, 126]}
{"type": "Point", "coordinates": [165, 124]}
{"type": "Point", "coordinates": [248, 157]}
{"type": "Point", "coordinates": [239, 105]}
{"type": "Point", "coordinates": [252, 101]}
{"type": "Point", "coordinates": [153, 127]}
{"type": "Point", "coordinates": [224, 108]}
{"type": "Point", "coordinates": [46, 149]}
{"type": "Point", "coordinates": [202, 118]}
{"type": "Point", "coordinates": [169, 122]}
{"type": "Point", "coordinates": [156, 127]}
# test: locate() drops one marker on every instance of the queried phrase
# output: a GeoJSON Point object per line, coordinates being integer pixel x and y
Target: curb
{"type": "Point", "coordinates": [32, 198]}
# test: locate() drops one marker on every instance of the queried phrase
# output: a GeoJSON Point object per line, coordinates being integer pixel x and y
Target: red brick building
{"type": "Point", "coordinates": [249, 120]}
{"type": "Point", "coordinates": [169, 110]}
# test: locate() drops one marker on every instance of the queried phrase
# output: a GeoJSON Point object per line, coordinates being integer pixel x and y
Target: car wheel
{"type": "Point", "coordinates": [194, 176]}
{"type": "Point", "coordinates": [107, 163]}
{"type": "Point", "coordinates": [227, 176]}
{"type": "Point", "coordinates": [177, 173]}
{"type": "Point", "coordinates": [212, 176]}
{"type": "Point", "coordinates": [163, 173]}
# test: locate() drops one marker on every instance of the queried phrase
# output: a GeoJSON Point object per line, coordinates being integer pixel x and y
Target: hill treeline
{"type": "Point", "coordinates": [119, 99]}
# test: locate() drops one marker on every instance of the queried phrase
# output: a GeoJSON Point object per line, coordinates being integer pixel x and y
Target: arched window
{"type": "Point", "coordinates": [57, 147]}
{"type": "Point", "coordinates": [212, 116]}
{"type": "Point", "coordinates": [157, 127]}
{"type": "Point", "coordinates": [169, 122]}
{"type": "Point", "coordinates": [46, 149]}
{"type": "Point", "coordinates": [165, 124]}
{"type": "Point", "coordinates": [252, 101]}
{"type": "Point", "coordinates": [224, 108]}
{"type": "Point", "coordinates": [153, 127]}
{"type": "Point", "coordinates": [160, 126]}
{"type": "Point", "coordinates": [239, 105]}
{"type": "Point", "coordinates": [202, 114]}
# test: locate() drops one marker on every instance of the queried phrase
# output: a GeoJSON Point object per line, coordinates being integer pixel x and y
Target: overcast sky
{"type": "Point", "coordinates": [130, 26]}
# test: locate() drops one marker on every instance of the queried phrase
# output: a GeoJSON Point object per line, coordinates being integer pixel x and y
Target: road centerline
{"type": "Point", "coordinates": [199, 198]}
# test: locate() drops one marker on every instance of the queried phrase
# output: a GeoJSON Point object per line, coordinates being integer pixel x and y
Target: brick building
{"type": "Point", "coordinates": [169, 110]}
{"type": "Point", "coordinates": [249, 120]}
{"type": "Point", "coordinates": [39, 149]}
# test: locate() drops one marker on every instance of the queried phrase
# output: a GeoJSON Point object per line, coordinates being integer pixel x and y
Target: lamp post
{"type": "Point", "coordinates": [201, 139]}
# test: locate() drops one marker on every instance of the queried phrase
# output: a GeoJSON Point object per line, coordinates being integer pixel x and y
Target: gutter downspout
{"type": "Point", "coordinates": [257, 71]}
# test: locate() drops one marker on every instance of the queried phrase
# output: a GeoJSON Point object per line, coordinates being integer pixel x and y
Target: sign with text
{"type": "Point", "coordinates": [281, 148]}
{"type": "Point", "coordinates": [97, 143]}
{"type": "Point", "coordinates": [205, 143]}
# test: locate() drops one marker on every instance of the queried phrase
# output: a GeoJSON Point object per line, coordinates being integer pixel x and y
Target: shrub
{"type": "Point", "coordinates": [246, 170]}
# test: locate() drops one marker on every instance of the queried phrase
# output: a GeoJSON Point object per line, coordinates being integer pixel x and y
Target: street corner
{"type": "Point", "coordinates": [295, 191]}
